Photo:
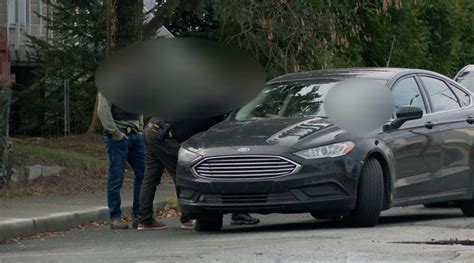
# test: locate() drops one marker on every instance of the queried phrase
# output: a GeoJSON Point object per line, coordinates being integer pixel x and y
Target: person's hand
{"type": "Point", "coordinates": [120, 137]}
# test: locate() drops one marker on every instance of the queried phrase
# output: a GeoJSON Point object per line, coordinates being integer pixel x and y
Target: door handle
{"type": "Point", "coordinates": [470, 120]}
{"type": "Point", "coordinates": [430, 125]}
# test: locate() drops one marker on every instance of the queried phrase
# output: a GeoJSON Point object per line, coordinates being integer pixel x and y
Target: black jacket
{"type": "Point", "coordinates": [183, 130]}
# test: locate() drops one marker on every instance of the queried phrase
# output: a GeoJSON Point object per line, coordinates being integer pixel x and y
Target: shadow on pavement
{"type": "Point", "coordinates": [398, 219]}
{"type": "Point", "coordinates": [337, 224]}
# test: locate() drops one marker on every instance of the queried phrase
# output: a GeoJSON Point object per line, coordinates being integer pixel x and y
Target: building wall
{"type": "Point", "coordinates": [19, 16]}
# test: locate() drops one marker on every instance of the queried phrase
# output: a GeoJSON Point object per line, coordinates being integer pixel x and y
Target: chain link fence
{"type": "Point", "coordinates": [5, 99]}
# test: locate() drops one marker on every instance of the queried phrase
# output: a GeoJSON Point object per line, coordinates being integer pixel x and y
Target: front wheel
{"type": "Point", "coordinates": [369, 196]}
{"type": "Point", "coordinates": [209, 223]}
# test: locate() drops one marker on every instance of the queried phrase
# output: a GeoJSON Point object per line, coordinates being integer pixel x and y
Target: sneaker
{"type": "Point", "coordinates": [155, 225]}
{"type": "Point", "coordinates": [118, 224]}
{"type": "Point", "coordinates": [243, 219]}
{"type": "Point", "coordinates": [188, 225]}
{"type": "Point", "coordinates": [135, 223]}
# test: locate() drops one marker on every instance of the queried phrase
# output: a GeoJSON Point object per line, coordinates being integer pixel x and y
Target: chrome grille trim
{"type": "Point", "coordinates": [231, 167]}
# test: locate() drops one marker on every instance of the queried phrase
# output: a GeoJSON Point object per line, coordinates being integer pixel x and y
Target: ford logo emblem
{"type": "Point", "coordinates": [243, 149]}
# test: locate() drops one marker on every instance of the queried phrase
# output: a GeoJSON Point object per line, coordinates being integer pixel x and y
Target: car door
{"type": "Point", "coordinates": [450, 106]}
{"type": "Point", "coordinates": [416, 145]}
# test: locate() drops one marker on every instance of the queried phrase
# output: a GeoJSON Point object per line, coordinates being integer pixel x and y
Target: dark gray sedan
{"type": "Point", "coordinates": [281, 154]}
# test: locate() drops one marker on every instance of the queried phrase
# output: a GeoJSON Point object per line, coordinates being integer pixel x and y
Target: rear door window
{"type": "Point", "coordinates": [441, 96]}
{"type": "Point", "coordinates": [463, 97]}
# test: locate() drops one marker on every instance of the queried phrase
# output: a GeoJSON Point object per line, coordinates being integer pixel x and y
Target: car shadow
{"type": "Point", "coordinates": [314, 224]}
{"type": "Point", "coordinates": [415, 218]}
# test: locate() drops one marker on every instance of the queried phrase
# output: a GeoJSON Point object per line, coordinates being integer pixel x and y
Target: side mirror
{"type": "Point", "coordinates": [404, 114]}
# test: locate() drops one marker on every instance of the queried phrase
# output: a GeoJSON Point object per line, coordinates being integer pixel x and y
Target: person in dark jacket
{"type": "Point", "coordinates": [162, 143]}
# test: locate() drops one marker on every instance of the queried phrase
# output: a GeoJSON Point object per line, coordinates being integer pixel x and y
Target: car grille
{"type": "Point", "coordinates": [246, 166]}
{"type": "Point", "coordinates": [236, 199]}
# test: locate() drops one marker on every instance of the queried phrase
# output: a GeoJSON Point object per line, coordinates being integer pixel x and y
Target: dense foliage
{"type": "Point", "coordinates": [284, 35]}
{"type": "Point", "coordinates": [289, 36]}
{"type": "Point", "coordinates": [77, 47]}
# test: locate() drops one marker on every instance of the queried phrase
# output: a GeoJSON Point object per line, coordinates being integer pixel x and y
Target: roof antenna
{"type": "Point", "coordinates": [391, 50]}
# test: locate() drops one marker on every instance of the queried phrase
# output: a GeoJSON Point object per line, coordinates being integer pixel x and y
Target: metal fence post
{"type": "Point", "coordinates": [67, 110]}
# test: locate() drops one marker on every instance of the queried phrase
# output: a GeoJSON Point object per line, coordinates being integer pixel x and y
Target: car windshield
{"type": "Point", "coordinates": [466, 79]}
{"type": "Point", "coordinates": [289, 100]}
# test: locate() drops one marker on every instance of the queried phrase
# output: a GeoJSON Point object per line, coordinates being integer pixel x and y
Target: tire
{"type": "Point", "coordinates": [467, 208]}
{"type": "Point", "coordinates": [210, 223]}
{"type": "Point", "coordinates": [370, 196]}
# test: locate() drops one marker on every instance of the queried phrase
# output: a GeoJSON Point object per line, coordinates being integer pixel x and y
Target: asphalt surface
{"type": "Point", "coordinates": [279, 238]}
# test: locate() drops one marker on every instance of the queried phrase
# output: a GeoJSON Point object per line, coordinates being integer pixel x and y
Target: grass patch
{"type": "Point", "coordinates": [10, 191]}
{"type": "Point", "coordinates": [83, 157]}
{"type": "Point", "coordinates": [171, 203]}
{"type": "Point", "coordinates": [78, 163]}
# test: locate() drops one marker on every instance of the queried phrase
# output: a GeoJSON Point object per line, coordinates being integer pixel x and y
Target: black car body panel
{"type": "Point", "coordinates": [426, 160]}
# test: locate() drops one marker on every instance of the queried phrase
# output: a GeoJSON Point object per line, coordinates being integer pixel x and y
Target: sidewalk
{"type": "Point", "coordinates": [29, 215]}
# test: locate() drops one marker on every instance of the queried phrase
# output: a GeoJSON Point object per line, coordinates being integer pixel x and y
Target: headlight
{"type": "Point", "coordinates": [187, 156]}
{"type": "Point", "coordinates": [332, 150]}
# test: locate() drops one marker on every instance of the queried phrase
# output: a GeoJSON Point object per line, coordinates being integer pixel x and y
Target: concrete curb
{"type": "Point", "coordinates": [22, 227]}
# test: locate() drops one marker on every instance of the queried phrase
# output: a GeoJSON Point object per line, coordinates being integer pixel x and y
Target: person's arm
{"type": "Point", "coordinates": [105, 116]}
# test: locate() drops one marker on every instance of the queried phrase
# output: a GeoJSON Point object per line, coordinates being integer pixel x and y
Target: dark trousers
{"type": "Point", "coordinates": [160, 154]}
{"type": "Point", "coordinates": [129, 150]}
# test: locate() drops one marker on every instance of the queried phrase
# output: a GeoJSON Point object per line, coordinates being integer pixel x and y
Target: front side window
{"type": "Point", "coordinates": [407, 93]}
{"type": "Point", "coordinates": [442, 98]}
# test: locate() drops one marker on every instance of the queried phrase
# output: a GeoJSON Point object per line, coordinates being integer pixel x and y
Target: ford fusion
{"type": "Point", "coordinates": [281, 154]}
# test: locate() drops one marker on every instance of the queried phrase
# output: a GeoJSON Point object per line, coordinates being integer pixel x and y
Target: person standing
{"type": "Point", "coordinates": [162, 143]}
{"type": "Point", "coordinates": [123, 137]}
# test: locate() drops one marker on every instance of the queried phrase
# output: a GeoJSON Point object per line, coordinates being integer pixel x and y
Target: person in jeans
{"type": "Point", "coordinates": [124, 139]}
{"type": "Point", "coordinates": [162, 143]}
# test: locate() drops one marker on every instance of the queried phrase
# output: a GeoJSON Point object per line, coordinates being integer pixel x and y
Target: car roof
{"type": "Point", "coordinates": [468, 68]}
{"type": "Point", "coordinates": [374, 73]}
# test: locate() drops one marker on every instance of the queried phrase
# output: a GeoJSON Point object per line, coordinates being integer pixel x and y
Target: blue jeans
{"type": "Point", "coordinates": [131, 150]}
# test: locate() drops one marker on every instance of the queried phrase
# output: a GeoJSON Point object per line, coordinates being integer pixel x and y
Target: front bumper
{"type": "Point", "coordinates": [326, 187]}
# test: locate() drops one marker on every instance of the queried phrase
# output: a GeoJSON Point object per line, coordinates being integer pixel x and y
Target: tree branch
{"type": "Point", "coordinates": [163, 13]}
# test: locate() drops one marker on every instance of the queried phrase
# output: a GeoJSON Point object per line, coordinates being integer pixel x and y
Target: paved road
{"type": "Point", "coordinates": [279, 238]}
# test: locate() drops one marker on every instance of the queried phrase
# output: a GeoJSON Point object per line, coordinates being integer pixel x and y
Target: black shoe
{"type": "Point", "coordinates": [243, 219]}
{"type": "Point", "coordinates": [135, 223]}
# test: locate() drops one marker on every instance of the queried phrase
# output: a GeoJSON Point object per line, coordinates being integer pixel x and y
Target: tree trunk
{"type": "Point", "coordinates": [95, 125]}
{"type": "Point", "coordinates": [124, 28]}
{"type": "Point", "coordinates": [129, 23]}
